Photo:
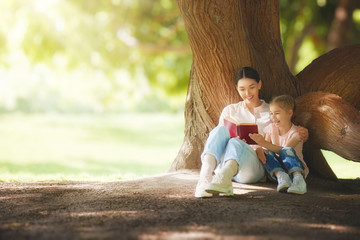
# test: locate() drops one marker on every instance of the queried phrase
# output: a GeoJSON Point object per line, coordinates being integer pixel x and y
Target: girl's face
{"type": "Point", "coordinates": [248, 89]}
{"type": "Point", "coordinates": [280, 116]}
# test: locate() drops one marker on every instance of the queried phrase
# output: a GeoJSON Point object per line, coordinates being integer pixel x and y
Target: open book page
{"type": "Point", "coordinates": [241, 130]}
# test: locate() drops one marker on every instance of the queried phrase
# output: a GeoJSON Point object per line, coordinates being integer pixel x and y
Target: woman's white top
{"type": "Point", "coordinates": [241, 114]}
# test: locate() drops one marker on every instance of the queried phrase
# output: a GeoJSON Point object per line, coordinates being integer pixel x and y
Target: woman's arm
{"type": "Point", "coordinates": [303, 133]}
{"type": "Point", "coordinates": [260, 152]}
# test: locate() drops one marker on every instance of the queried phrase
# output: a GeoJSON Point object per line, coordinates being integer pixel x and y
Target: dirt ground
{"type": "Point", "coordinates": [163, 207]}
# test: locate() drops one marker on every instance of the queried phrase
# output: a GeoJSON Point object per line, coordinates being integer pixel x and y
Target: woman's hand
{"type": "Point", "coordinates": [260, 152]}
{"type": "Point", "coordinates": [303, 133]}
{"type": "Point", "coordinates": [244, 140]}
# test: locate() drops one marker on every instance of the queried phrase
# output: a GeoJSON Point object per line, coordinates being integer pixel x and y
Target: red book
{"type": "Point", "coordinates": [241, 129]}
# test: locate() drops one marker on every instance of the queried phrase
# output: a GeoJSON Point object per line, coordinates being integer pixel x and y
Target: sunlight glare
{"type": "Point", "coordinates": [334, 227]}
{"type": "Point", "coordinates": [45, 5]}
{"type": "Point", "coordinates": [125, 36]}
{"type": "Point", "coordinates": [356, 15]}
{"type": "Point", "coordinates": [321, 3]}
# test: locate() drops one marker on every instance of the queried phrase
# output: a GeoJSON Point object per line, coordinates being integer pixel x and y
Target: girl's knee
{"type": "Point", "coordinates": [269, 153]}
{"type": "Point", "coordinates": [287, 152]}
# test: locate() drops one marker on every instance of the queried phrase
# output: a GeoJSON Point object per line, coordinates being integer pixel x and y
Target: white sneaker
{"type": "Point", "coordinates": [220, 184]}
{"type": "Point", "coordinates": [200, 188]}
{"type": "Point", "coordinates": [284, 182]}
{"type": "Point", "coordinates": [298, 186]}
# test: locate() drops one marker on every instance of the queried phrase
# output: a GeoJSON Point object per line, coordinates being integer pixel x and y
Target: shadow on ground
{"type": "Point", "coordinates": [163, 207]}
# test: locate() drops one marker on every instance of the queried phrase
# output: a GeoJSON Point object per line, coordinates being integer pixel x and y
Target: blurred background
{"type": "Point", "coordinates": [95, 90]}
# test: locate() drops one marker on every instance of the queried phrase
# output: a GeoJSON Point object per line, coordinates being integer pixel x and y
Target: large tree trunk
{"type": "Point", "coordinates": [224, 36]}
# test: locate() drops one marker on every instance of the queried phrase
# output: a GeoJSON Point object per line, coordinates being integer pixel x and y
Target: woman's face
{"type": "Point", "coordinates": [248, 89]}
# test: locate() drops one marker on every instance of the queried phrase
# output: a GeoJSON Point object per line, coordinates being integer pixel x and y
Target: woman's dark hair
{"type": "Point", "coordinates": [246, 72]}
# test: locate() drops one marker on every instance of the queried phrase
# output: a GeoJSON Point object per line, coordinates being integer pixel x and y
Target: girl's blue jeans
{"type": "Point", "coordinates": [287, 161]}
{"type": "Point", "coordinates": [223, 148]}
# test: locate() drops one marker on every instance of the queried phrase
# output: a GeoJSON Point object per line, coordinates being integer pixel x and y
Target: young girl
{"type": "Point", "coordinates": [284, 147]}
{"type": "Point", "coordinates": [232, 157]}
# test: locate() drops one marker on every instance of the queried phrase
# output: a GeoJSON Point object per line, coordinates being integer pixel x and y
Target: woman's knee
{"type": "Point", "coordinates": [236, 142]}
{"type": "Point", "coordinates": [221, 131]}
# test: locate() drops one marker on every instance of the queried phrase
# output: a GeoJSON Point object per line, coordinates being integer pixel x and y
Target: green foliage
{"type": "Point", "coordinates": [112, 54]}
{"type": "Point", "coordinates": [305, 26]}
{"type": "Point", "coordinates": [303, 22]}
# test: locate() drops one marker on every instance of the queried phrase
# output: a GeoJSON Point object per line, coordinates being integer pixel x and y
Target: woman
{"type": "Point", "coordinates": [232, 157]}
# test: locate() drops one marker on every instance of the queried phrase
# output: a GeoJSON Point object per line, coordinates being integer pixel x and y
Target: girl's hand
{"type": "Point", "coordinates": [260, 152]}
{"type": "Point", "coordinates": [259, 139]}
{"type": "Point", "coordinates": [303, 133]}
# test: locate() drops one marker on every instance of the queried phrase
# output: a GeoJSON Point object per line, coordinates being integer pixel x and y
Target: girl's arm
{"type": "Point", "coordinates": [260, 140]}
{"type": "Point", "coordinates": [260, 151]}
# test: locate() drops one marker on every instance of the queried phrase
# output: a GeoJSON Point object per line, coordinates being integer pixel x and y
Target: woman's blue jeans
{"type": "Point", "coordinates": [223, 148]}
{"type": "Point", "coordinates": [286, 161]}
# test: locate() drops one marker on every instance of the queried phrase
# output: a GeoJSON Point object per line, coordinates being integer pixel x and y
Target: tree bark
{"type": "Point", "coordinates": [227, 35]}
{"type": "Point", "coordinates": [334, 125]}
{"type": "Point", "coordinates": [335, 72]}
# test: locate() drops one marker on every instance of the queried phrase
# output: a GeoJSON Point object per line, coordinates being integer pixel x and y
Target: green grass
{"type": "Point", "coordinates": [342, 168]}
{"type": "Point", "coordinates": [87, 147]}
{"type": "Point", "coordinates": [99, 147]}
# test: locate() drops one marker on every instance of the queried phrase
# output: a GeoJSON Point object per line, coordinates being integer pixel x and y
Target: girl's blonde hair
{"type": "Point", "coordinates": [286, 102]}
